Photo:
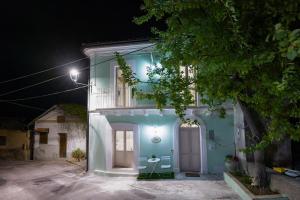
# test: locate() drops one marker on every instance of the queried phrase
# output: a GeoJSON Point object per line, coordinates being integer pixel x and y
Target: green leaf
{"type": "Point", "coordinates": [291, 54]}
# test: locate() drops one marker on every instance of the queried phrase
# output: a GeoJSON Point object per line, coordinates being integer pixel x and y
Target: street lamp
{"type": "Point", "coordinates": [74, 75]}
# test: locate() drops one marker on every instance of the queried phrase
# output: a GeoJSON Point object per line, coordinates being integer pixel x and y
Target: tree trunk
{"type": "Point", "coordinates": [260, 178]}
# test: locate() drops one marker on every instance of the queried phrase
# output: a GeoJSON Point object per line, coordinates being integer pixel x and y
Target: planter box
{"type": "Point", "coordinates": [245, 194]}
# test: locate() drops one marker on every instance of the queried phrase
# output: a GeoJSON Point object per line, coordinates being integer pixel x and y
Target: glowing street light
{"type": "Point", "coordinates": [74, 75]}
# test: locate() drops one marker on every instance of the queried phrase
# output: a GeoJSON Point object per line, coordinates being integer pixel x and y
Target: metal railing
{"type": "Point", "coordinates": [119, 97]}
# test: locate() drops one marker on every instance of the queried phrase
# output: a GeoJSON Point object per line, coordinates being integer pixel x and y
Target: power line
{"type": "Point", "coordinates": [30, 86]}
{"type": "Point", "coordinates": [49, 69]}
{"type": "Point", "coordinates": [39, 72]}
{"type": "Point", "coordinates": [40, 83]}
{"type": "Point", "coordinates": [25, 106]}
{"type": "Point", "coordinates": [44, 95]}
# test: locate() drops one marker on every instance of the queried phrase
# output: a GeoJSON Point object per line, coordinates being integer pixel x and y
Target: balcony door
{"type": "Point", "coordinates": [123, 149]}
{"type": "Point", "coordinates": [122, 90]}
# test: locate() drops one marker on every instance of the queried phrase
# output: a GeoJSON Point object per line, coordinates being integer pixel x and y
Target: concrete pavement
{"type": "Point", "coordinates": [39, 180]}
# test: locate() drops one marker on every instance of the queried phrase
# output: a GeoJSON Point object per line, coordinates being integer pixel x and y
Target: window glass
{"type": "Point", "coordinates": [2, 140]}
{"type": "Point", "coordinates": [186, 125]}
{"type": "Point", "coordinates": [188, 72]}
{"type": "Point", "coordinates": [43, 138]}
{"type": "Point", "coordinates": [119, 140]}
{"type": "Point", "coordinates": [129, 140]}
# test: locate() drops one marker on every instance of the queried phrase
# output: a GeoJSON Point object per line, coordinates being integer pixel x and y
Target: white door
{"type": "Point", "coordinates": [189, 149]}
{"type": "Point", "coordinates": [123, 149]}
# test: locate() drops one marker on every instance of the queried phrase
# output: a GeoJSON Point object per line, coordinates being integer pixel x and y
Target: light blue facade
{"type": "Point", "coordinates": [144, 120]}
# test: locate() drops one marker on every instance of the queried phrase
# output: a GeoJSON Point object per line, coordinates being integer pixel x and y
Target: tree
{"type": "Point", "coordinates": [244, 51]}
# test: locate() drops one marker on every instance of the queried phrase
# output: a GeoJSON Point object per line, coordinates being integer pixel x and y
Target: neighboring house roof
{"type": "Point", "coordinates": [45, 113]}
{"type": "Point", "coordinates": [109, 48]}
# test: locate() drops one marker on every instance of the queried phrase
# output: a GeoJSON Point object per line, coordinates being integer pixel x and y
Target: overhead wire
{"type": "Point", "coordinates": [25, 106]}
{"type": "Point", "coordinates": [30, 86]}
{"type": "Point", "coordinates": [46, 70]}
{"type": "Point", "coordinates": [44, 95]}
{"type": "Point", "coordinates": [42, 71]}
{"type": "Point", "coordinates": [91, 66]}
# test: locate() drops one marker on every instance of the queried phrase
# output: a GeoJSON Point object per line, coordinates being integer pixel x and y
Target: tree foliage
{"type": "Point", "coordinates": [243, 51]}
{"type": "Point", "coordinates": [75, 110]}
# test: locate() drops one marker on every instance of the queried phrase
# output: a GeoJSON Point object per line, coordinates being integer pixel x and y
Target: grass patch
{"type": "Point", "coordinates": [154, 176]}
{"type": "Point", "coordinates": [247, 180]}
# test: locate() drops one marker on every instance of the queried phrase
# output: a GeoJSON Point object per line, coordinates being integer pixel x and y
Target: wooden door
{"type": "Point", "coordinates": [62, 145]}
{"type": "Point", "coordinates": [123, 149]}
{"type": "Point", "coordinates": [189, 149]}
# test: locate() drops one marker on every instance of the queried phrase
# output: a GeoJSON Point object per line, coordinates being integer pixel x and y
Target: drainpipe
{"type": "Point", "coordinates": [88, 124]}
{"type": "Point", "coordinates": [30, 130]}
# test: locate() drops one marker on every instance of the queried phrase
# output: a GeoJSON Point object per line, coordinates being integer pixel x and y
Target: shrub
{"type": "Point", "coordinates": [78, 154]}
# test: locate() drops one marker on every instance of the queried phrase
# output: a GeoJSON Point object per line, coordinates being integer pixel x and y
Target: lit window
{"type": "Point", "coordinates": [129, 140]}
{"type": "Point", "coordinates": [188, 72]}
{"type": "Point", "coordinates": [119, 140]}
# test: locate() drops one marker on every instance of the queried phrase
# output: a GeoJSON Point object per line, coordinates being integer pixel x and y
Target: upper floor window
{"type": "Point", "coordinates": [188, 72]}
{"type": "Point", "coordinates": [122, 90]}
{"type": "Point", "coordinates": [61, 119]}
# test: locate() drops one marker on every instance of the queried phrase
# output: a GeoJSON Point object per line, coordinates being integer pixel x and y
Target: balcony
{"type": "Point", "coordinates": [119, 97]}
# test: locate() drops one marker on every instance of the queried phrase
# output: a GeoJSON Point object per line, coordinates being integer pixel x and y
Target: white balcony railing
{"type": "Point", "coordinates": [120, 97]}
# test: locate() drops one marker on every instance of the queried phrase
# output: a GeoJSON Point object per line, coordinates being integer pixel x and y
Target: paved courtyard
{"type": "Point", "coordinates": [34, 180]}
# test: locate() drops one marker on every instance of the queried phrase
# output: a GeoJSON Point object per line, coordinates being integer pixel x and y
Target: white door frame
{"type": "Point", "coordinates": [109, 148]}
{"type": "Point", "coordinates": [113, 79]}
{"type": "Point", "coordinates": [203, 149]}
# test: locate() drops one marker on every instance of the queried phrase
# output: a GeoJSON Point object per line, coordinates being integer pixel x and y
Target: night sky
{"type": "Point", "coordinates": [42, 34]}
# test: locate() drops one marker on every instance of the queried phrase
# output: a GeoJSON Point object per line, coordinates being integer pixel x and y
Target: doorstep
{"type": "Point", "coordinates": [117, 172]}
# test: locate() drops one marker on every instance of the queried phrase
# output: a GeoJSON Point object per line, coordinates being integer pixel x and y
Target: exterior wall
{"type": "Point", "coordinates": [75, 137]}
{"type": "Point", "coordinates": [98, 130]}
{"type": "Point", "coordinates": [167, 128]}
{"type": "Point", "coordinates": [17, 144]}
{"type": "Point", "coordinates": [102, 79]}
{"type": "Point", "coordinates": [223, 142]}
{"type": "Point", "coordinates": [102, 95]}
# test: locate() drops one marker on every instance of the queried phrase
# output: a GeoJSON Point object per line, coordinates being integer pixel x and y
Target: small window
{"type": "Point", "coordinates": [119, 140]}
{"type": "Point", "coordinates": [43, 138]}
{"type": "Point", "coordinates": [129, 140]}
{"type": "Point", "coordinates": [61, 119]}
{"type": "Point", "coordinates": [2, 140]}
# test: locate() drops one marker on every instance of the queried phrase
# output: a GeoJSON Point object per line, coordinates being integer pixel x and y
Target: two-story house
{"type": "Point", "coordinates": [124, 132]}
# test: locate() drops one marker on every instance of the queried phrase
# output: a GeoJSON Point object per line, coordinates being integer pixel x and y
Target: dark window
{"type": "Point", "coordinates": [2, 140]}
{"type": "Point", "coordinates": [43, 138]}
{"type": "Point", "coordinates": [61, 119]}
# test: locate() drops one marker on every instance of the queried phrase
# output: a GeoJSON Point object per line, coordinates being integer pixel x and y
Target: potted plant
{"type": "Point", "coordinates": [231, 163]}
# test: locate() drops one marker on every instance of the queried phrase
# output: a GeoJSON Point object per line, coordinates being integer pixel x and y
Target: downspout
{"type": "Point", "coordinates": [30, 130]}
{"type": "Point", "coordinates": [88, 124]}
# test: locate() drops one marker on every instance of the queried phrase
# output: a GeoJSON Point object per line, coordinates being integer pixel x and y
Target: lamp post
{"type": "Point", "coordinates": [74, 75]}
